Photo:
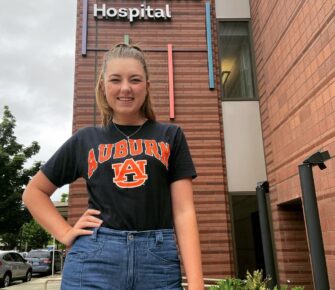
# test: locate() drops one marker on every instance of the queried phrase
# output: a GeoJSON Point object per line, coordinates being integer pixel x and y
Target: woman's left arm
{"type": "Point", "coordinates": [186, 228]}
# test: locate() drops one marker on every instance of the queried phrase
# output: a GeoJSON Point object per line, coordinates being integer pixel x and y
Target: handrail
{"type": "Point", "coordinates": [206, 285]}
{"type": "Point", "coordinates": [50, 280]}
{"type": "Point", "coordinates": [184, 284]}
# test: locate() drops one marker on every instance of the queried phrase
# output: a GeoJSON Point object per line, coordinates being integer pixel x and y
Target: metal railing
{"type": "Point", "coordinates": [207, 281]}
{"type": "Point", "coordinates": [58, 279]}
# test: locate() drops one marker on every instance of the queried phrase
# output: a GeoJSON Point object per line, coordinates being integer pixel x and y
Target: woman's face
{"type": "Point", "coordinates": [126, 87]}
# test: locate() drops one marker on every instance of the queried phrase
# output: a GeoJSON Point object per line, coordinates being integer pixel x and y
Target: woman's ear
{"type": "Point", "coordinates": [102, 86]}
{"type": "Point", "coordinates": [148, 86]}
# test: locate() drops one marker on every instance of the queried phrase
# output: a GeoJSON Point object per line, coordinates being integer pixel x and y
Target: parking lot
{"type": "Point", "coordinates": [38, 283]}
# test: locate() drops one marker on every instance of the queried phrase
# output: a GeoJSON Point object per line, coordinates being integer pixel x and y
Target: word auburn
{"type": "Point", "coordinates": [147, 12]}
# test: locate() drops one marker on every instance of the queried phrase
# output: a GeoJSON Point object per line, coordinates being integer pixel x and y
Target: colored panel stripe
{"type": "Point", "coordinates": [84, 29]}
{"type": "Point", "coordinates": [209, 46]}
{"type": "Point", "coordinates": [126, 39]}
{"type": "Point", "coordinates": [171, 88]}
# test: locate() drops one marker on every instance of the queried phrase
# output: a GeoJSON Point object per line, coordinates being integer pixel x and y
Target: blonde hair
{"type": "Point", "coordinates": [121, 50]}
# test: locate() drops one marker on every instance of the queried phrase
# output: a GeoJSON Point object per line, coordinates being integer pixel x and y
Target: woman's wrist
{"type": "Point", "coordinates": [197, 284]}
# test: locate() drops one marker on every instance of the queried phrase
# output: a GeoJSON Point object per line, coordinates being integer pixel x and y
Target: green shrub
{"type": "Point", "coordinates": [228, 284]}
{"type": "Point", "coordinates": [285, 287]}
{"type": "Point", "coordinates": [253, 281]}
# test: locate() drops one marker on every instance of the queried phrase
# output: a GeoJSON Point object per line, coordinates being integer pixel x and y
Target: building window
{"type": "Point", "coordinates": [235, 57]}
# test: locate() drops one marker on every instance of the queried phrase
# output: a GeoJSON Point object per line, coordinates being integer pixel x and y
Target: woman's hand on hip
{"type": "Point", "coordinates": [87, 220]}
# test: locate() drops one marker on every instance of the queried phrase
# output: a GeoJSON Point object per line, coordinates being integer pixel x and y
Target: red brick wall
{"type": "Point", "coordinates": [294, 45]}
{"type": "Point", "coordinates": [292, 247]}
{"type": "Point", "coordinates": [198, 109]}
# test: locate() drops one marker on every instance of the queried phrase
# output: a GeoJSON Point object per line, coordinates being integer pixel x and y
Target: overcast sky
{"type": "Point", "coordinates": [37, 49]}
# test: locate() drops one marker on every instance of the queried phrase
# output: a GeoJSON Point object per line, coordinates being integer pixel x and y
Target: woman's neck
{"type": "Point", "coordinates": [136, 121]}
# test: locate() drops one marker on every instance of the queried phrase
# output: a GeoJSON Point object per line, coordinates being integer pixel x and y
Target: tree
{"type": "Point", "coordinates": [64, 197]}
{"type": "Point", "coordinates": [34, 236]}
{"type": "Point", "coordinates": [13, 178]}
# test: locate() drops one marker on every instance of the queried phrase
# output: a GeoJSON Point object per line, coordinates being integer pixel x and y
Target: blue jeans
{"type": "Point", "coordinates": [123, 260]}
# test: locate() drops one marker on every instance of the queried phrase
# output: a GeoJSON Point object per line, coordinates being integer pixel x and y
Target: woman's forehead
{"type": "Point", "coordinates": [123, 65]}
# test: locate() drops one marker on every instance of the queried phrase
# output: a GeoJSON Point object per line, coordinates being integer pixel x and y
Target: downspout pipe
{"type": "Point", "coordinates": [261, 190]}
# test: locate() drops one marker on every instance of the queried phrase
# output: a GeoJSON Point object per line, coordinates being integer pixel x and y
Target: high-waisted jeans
{"type": "Point", "coordinates": [123, 260]}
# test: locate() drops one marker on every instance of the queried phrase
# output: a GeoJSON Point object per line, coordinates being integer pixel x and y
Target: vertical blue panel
{"type": "Point", "coordinates": [84, 28]}
{"type": "Point", "coordinates": [209, 46]}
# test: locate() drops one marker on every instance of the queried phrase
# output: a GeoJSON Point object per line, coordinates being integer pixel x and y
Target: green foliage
{"type": "Point", "coordinates": [34, 235]}
{"type": "Point", "coordinates": [13, 178]}
{"type": "Point", "coordinates": [9, 240]}
{"type": "Point", "coordinates": [64, 197]}
{"type": "Point", "coordinates": [228, 284]}
{"type": "Point", "coordinates": [253, 281]}
{"type": "Point", "coordinates": [285, 287]}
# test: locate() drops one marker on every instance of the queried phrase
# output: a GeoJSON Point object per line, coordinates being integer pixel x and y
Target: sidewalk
{"type": "Point", "coordinates": [39, 284]}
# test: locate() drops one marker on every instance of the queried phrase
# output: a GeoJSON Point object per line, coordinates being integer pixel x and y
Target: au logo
{"type": "Point", "coordinates": [130, 173]}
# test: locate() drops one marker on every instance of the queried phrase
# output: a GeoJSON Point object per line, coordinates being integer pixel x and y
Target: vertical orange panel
{"type": "Point", "coordinates": [171, 89]}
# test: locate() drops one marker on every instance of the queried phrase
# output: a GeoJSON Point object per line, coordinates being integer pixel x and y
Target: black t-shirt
{"type": "Point", "coordinates": [127, 180]}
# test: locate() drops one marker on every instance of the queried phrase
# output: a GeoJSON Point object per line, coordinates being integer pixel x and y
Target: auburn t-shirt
{"type": "Point", "coordinates": [128, 179]}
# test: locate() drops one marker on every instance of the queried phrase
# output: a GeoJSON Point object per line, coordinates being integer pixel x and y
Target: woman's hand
{"type": "Point", "coordinates": [87, 220]}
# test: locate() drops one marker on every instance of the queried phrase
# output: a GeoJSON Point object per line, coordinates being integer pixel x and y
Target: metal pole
{"type": "Point", "coordinates": [261, 190]}
{"type": "Point", "coordinates": [314, 233]}
{"type": "Point", "coordinates": [53, 258]}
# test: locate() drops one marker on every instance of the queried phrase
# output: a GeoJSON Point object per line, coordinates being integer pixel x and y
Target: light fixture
{"type": "Point", "coordinates": [224, 76]}
{"type": "Point", "coordinates": [312, 218]}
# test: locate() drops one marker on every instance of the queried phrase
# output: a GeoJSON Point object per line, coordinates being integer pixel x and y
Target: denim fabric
{"type": "Point", "coordinates": [123, 260]}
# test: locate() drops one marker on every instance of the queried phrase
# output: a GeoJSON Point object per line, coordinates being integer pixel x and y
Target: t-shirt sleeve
{"type": "Point", "coordinates": [63, 167]}
{"type": "Point", "coordinates": [181, 163]}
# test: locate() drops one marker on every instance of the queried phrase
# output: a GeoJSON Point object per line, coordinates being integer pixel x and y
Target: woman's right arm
{"type": "Point", "coordinates": [36, 198]}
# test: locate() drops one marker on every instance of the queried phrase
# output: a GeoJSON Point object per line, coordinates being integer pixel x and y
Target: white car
{"type": "Point", "coordinates": [13, 267]}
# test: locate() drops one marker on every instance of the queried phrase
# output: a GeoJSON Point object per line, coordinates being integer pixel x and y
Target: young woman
{"type": "Point", "coordinates": [139, 179]}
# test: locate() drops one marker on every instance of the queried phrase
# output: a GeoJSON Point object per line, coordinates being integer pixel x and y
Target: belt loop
{"type": "Point", "coordinates": [159, 237]}
{"type": "Point", "coordinates": [95, 234]}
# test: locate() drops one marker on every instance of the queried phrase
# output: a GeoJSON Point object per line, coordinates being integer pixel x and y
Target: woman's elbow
{"type": "Point", "coordinates": [38, 185]}
{"type": "Point", "coordinates": [26, 193]}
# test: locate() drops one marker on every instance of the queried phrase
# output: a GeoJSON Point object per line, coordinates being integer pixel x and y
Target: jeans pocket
{"type": "Point", "coordinates": [165, 252]}
{"type": "Point", "coordinates": [84, 247]}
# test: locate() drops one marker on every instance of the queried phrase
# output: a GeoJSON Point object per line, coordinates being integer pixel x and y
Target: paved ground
{"type": "Point", "coordinates": [38, 283]}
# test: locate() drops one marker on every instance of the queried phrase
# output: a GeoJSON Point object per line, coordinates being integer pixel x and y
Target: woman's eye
{"type": "Point", "coordinates": [135, 80]}
{"type": "Point", "coordinates": [114, 80]}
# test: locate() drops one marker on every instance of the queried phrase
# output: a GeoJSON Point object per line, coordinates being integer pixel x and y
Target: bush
{"type": "Point", "coordinates": [253, 281]}
{"type": "Point", "coordinates": [228, 284]}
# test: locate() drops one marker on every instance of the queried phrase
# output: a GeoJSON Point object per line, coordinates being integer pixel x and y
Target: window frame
{"type": "Point", "coordinates": [252, 60]}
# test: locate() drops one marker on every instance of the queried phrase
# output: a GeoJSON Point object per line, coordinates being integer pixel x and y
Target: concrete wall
{"type": "Point", "coordinates": [232, 9]}
{"type": "Point", "coordinates": [243, 145]}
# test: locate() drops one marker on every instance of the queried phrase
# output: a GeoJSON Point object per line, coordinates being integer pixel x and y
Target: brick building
{"type": "Point", "coordinates": [254, 92]}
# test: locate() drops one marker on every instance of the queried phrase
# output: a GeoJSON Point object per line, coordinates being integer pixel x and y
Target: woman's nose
{"type": "Point", "coordinates": [125, 86]}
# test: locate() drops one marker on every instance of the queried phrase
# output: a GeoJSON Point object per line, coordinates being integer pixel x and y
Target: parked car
{"type": "Point", "coordinates": [23, 254]}
{"type": "Point", "coordinates": [13, 267]}
{"type": "Point", "coordinates": [41, 260]}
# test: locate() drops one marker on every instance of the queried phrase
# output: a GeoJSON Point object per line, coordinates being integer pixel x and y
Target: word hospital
{"type": "Point", "coordinates": [145, 12]}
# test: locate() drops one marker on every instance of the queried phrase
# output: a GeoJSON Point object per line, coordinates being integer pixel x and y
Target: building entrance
{"type": "Point", "coordinates": [246, 234]}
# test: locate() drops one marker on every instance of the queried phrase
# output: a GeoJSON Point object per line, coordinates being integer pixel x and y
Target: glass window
{"type": "Point", "coordinates": [39, 254]}
{"type": "Point", "coordinates": [236, 65]}
{"type": "Point", "coordinates": [8, 258]}
{"type": "Point", "coordinates": [17, 257]}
